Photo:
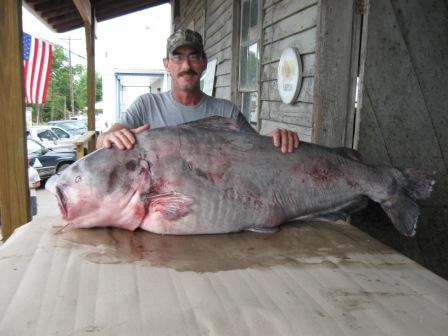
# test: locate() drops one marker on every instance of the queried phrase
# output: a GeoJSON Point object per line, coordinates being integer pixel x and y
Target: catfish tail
{"type": "Point", "coordinates": [419, 183]}
{"type": "Point", "coordinates": [413, 184]}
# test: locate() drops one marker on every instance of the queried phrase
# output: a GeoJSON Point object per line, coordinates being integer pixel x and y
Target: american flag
{"type": "Point", "coordinates": [37, 58]}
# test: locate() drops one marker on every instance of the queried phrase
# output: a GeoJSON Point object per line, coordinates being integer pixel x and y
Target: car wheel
{"type": "Point", "coordinates": [62, 166]}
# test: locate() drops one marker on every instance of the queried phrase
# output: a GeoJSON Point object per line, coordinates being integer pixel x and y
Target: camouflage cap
{"type": "Point", "coordinates": [184, 38]}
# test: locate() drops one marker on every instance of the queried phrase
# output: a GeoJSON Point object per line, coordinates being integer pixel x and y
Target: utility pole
{"type": "Point", "coordinates": [72, 95]}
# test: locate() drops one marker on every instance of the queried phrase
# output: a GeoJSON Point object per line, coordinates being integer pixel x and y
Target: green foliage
{"type": "Point", "coordinates": [81, 90]}
{"type": "Point", "coordinates": [58, 103]}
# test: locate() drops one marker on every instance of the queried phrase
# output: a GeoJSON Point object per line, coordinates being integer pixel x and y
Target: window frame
{"type": "Point", "coordinates": [242, 92]}
{"type": "Point", "coordinates": [250, 41]}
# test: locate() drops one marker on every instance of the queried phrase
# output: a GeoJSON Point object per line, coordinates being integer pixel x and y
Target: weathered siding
{"type": "Point", "coordinates": [213, 19]}
{"type": "Point", "coordinates": [192, 15]}
{"type": "Point", "coordinates": [218, 43]}
{"type": "Point", "coordinates": [287, 23]}
{"type": "Point", "coordinates": [403, 117]}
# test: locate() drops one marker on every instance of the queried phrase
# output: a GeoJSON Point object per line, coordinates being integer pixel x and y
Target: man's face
{"type": "Point", "coordinates": [185, 65]}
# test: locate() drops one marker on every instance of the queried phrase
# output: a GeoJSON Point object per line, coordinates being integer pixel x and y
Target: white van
{"type": "Point", "coordinates": [51, 136]}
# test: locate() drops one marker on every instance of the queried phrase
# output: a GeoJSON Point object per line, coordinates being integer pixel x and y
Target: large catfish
{"type": "Point", "coordinates": [209, 176]}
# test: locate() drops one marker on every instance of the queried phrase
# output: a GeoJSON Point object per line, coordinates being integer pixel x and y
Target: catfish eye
{"type": "Point", "coordinates": [131, 165]}
{"type": "Point", "coordinates": [78, 179]}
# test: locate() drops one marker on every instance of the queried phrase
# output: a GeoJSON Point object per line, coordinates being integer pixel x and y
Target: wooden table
{"type": "Point", "coordinates": [308, 279]}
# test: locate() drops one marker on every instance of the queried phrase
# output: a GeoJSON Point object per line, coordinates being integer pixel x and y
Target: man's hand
{"type": "Point", "coordinates": [120, 136]}
{"type": "Point", "coordinates": [285, 139]}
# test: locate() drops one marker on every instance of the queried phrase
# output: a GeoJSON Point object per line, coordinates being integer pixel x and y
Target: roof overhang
{"type": "Point", "coordinates": [64, 15]}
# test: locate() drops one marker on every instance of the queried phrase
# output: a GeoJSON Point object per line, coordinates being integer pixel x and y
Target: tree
{"type": "Point", "coordinates": [58, 94]}
{"type": "Point", "coordinates": [81, 90]}
{"type": "Point", "coordinates": [58, 86]}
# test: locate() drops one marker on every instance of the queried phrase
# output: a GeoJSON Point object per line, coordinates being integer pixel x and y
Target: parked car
{"type": "Point", "coordinates": [52, 136]}
{"type": "Point", "coordinates": [49, 161]}
{"type": "Point", "coordinates": [74, 127]}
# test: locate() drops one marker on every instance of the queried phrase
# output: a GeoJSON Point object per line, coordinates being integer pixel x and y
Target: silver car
{"type": "Point", "coordinates": [52, 136]}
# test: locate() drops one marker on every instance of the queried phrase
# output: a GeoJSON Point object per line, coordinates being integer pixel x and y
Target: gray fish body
{"type": "Point", "coordinates": [206, 177]}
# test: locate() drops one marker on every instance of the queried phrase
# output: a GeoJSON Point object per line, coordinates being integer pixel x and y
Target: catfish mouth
{"type": "Point", "coordinates": [62, 202]}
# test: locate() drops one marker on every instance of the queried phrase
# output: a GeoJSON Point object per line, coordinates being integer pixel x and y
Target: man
{"type": "Point", "coordinates": [185, 62]}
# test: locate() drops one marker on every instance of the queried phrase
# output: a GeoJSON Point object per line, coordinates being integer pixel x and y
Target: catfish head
{"type": "Point", "coordinates": [106, 188]}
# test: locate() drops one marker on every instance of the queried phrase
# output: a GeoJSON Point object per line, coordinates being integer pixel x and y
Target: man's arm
{"type": "Point", "coordinates": [120, 136]}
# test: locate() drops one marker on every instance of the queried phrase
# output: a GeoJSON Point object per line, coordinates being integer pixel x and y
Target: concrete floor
{"type": "Point", "coordinates": [46, 204]}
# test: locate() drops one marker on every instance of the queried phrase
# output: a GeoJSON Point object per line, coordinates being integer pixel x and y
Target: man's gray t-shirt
{"type": "Point", "coordinates": [159, 110]}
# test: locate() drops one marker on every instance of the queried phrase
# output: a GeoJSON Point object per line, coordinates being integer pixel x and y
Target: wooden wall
{"type": "Point", "coordinates": [214, 20]}
{"type": "Point", "coordinates": [287, 23]}
{"type": "Point", "coordinates": [404, 118]}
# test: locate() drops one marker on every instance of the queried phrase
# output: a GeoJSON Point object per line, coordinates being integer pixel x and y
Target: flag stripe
{"type": "Point", "coordinates": [37, 60]}
{"type": "Point", "coordinates": [49, 62]}
{"type": "Point", "coordinates": [35, 68]}
{"type": "Point", "coordinates": [40, 62]}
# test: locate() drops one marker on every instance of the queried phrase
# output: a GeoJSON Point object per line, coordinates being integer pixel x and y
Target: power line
{"type": "Point", "coordinates": [69, 49]}
{"type": "Point", "coordinates": [60, 38]}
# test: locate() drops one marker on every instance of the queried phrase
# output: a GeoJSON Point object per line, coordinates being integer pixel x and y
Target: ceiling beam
{"type": "Point", "coordinates": [85, 10]}
{"type": "Point", "coordinates": [54, 6]}
{"type": "Point", "coordinates": [67, 26]}
{"type": "Point", "coordinates": [64, 19]}
{"type": "Point", "coordinates": [111, 11]}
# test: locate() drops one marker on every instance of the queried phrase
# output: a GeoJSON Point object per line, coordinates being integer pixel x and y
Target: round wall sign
{"type": "Point", "coordinates": [289, 75]}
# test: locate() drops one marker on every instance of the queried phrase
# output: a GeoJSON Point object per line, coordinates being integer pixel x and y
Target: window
{"type": "Point", "coordinates": [60, 133]}
{"type": "Point", "coordinates": [47, 135]}
{"type": "Point", "coordinates": [249, 59]}
{"type": "Point", "coordinates": [33, 147]}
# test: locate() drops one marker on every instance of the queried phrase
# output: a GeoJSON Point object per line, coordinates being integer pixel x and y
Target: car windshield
{"type": "Point", "coordinates": [33, 147]}
{"type": "Point", "coordinates": [47, 135]}
{"type": "Point", "coordinates": [72, 125]}
{"type": "Point", "coordinates": [60, 132]}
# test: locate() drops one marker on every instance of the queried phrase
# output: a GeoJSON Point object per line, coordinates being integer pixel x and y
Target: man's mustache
{"type": "Point", "coordinates": [188, 73]}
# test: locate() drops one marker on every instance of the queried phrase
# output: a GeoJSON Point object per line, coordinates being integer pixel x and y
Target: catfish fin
{"type": "Point", "coordinates": [401, 207]}
{"type": "Point", "coordinates": [239, 124]}
{"type": "Point", "coordinates": [349, 153]}
{"type": "Point", "coordinates": [403, 212]}
{"type": "Point", "coordinates": [419, 182]}
{"type": "Point", "coordinates": [172, 205]}
{"type": "Point", "coordinates": [263, 229]}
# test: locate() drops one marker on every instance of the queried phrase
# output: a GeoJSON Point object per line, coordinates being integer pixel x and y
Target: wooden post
{"type": "Point", "coordinates": [91, 81]}
{"type": "Point", "coordinates": [337, 49]}
{"type": "Point", "coordinates": [14, 194]}
{"type": "Point", "coordinates": [81, 141]}
{"type": "Point", "coordinates": [87, 12]}
{"type": "Point", "coordinates": [236, 18]}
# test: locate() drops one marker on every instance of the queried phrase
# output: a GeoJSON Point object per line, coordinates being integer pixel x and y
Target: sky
{"type": "Point", "coordinates": [134, 41]}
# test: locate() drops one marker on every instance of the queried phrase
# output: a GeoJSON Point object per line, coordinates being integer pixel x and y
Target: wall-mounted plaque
{"type": "Point", "coordinates": [289, 75]}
